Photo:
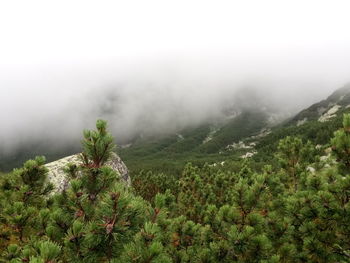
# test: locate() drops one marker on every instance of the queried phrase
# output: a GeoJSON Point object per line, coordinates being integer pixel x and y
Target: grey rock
{"type": "Point", "coordinates": [60, 181]}
{"type": "Point", "coordinates": [330, 113]}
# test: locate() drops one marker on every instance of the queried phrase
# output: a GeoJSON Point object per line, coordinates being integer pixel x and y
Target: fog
{"type": "Point", "coordinates": [159, 67]}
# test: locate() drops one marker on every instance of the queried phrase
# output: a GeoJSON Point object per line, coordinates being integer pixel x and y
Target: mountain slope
{"type": "Point", "coordinates": [245, 131]}
{"type": "Point", "coordinates": [339, 99]}
{"type": "Point", "coordinates": [316, 123]}
{"type": "Point", "coordinates": [207, 143]}
{"type": "Point", "coordinates": [247, 134]}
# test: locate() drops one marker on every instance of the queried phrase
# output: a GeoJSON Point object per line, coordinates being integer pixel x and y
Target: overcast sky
{"type": "Point", "coordinates": [174, 60]}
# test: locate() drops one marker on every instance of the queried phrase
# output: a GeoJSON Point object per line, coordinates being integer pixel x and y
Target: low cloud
{"type": "Point", "coordinates": [55, 103]}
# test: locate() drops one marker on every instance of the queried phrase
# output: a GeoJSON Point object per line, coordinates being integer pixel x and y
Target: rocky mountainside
{"type": "Point", "coordinates": [325, 109]}
{"type": "Point", "coordinates": [251, 133]}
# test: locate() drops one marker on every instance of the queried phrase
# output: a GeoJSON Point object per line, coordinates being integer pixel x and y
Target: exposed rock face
{"type": "Point", "coordinates": [249, 155]}
{"type": "Point", "coordinates": [59, 179]}
{"type": "Point", "coordinates": [329, 114]}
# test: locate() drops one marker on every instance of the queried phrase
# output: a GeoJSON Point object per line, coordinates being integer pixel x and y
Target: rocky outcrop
{"type": "Point", "coordinates": [59, 179]}
{"type": "Point", "coordinates": [248, 155]}
{"type": "Point", "coordinates": [331, 113]}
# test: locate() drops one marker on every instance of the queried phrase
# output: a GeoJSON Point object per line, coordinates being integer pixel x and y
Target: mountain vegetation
{"type": "Point", "coordinates": [248, 132]}
{"type": "Point", "coordinates": [194, 198]}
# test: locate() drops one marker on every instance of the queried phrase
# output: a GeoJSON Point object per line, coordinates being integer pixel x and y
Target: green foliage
{"type": "Point", "coordinates": [171, 153]}
{"type": "Point", "coordinates": [341, 145]}
{"type": "Point", "coordinates": [146, 247]}
{"type": "Point", "coordinates": [47, 252]}
{"type": "Point", "coordinates": [22, 195]}
{"type": "Point", "coordinates": [97, 145]}
{"type": "Point", "coordinates": [281, 212]}
{"type": "Point", "coordinates": [294, 157]}
{"type": "Point", "coordinates": [319, 133]}
{"type": "Point", "coordinates": [149, 184]}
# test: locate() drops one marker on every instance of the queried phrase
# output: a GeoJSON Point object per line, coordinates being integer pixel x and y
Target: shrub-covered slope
{"type": "Point", "coordinates": [295, 211]}
{"type": "Point", "coordinates": [248, 134]}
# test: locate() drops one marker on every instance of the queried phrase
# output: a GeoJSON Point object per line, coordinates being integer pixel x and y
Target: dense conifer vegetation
{"type": "Point", "coordinates": [292, 207]}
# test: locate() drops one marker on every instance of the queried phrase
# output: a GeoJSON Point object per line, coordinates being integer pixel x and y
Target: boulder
{"type": "Point", "coordinates": [59, 179]}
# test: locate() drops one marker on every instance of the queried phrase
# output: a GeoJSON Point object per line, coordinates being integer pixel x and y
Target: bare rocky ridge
{"type": "Point", "coordinates": [59, 179]}
{"type": "Point", "coordinates": [325, 109]}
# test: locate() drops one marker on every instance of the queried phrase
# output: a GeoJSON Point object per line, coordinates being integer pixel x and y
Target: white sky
{"type": "Point", "coordinates": [39, 32]}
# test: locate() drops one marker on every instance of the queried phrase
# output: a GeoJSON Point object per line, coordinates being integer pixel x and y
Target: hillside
{"type": "Point", "coordinates": [295, 209]}
{"type": "Point", "coordinates": [204, 138]}
{"type": "Point", "coordinates": [248, 134]}
{"type": "Point", "coordinates": [207, 143]}
{"type": "Point", "coordinates": [244, 131]}
{"type": "Point", "coordinates": [325, 109]}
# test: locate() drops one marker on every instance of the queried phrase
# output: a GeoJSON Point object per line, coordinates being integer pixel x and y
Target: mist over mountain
{"type": "Point", "coordinates": [57, 104]}
{"type": "Point", "coordinates": [58, 115]}
{"type": "Point", "coordinates": [150, 73]}
{"type": "Point", "coordinates": [53, 127]}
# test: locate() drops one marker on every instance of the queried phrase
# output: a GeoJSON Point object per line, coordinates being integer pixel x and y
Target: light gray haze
{"type": "Point", "coordinates": [148, 66]}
